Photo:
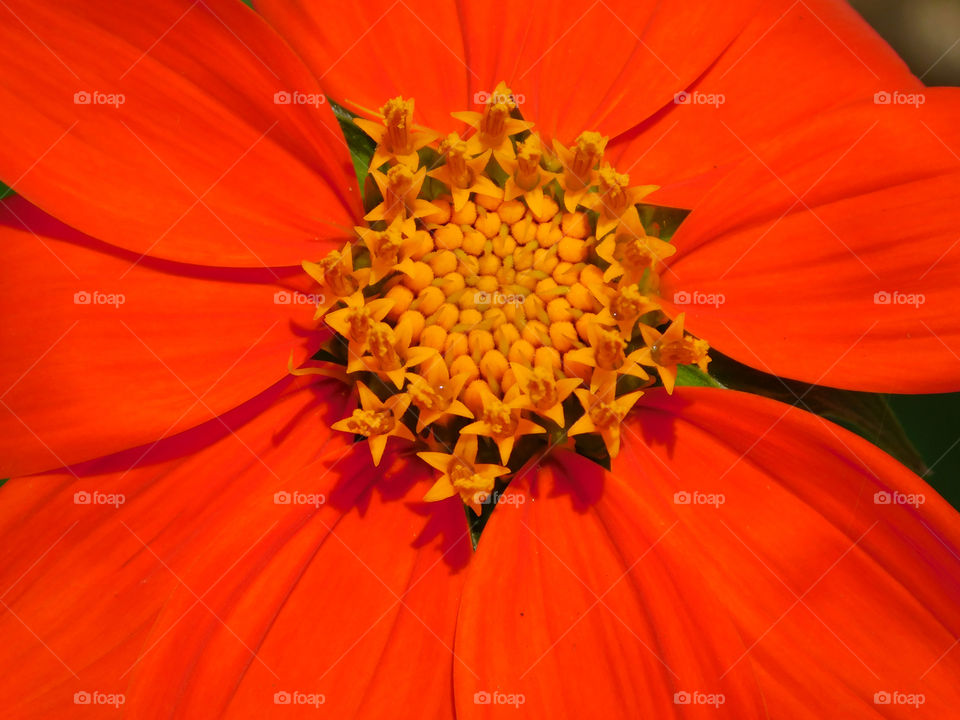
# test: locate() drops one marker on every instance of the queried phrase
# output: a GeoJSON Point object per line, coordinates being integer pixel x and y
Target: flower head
{"type": "Point", "coordinates": [184, 534]}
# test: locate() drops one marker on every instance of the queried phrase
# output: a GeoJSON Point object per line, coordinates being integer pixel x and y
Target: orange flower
{"type": "Point", "coordinates": [184, 535]}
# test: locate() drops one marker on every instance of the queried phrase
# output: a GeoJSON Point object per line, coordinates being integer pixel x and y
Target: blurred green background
{"type": "Point", "coordinates": [926, 34]}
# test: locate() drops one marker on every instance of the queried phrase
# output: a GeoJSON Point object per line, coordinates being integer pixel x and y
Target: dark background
{"type": "Point", "coordinates": [925, 33]}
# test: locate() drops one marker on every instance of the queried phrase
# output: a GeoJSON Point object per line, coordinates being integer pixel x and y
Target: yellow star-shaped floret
{"type": "Point", "coordinates": [336, 276]}
{"type": "Point", "coordinates": [579, 166]}
{"type": "Point", "coordinates": [435, 394]}
{"type": "Point", "coordinates": [394, 134]}
{"type": "Point", "coordinates": [377, 420]}
{"type": "Point", "coordinates": [494, 126]}
{"type": "Point", "coordinates": [630, 251]}
{"type": "Point", "coordinates": [390, 355]}
{"type": "Point", "coordinates": [462, 475]}
{"type": "Point", "coordinates": [622, 306]}
{"type": "Point", "coordinates": [607, 355]}
{"type": "Point", "coordinates": [355, 321]}
{"type": "Point", "coordinates": [391, 247]}
{"type": "Point", "coordinates": [672, 348]}
{"type": "Point", "coordinates": [525, 175]}
{"type": "Point", "coordinates": [614, 197]}
{"type": "Point", "coordinates": [543, 392]}
{"type": "Point", "coordinates": [503, 421]}
{"type": "Point", "coordinates": [400, 187]}
{"type": "Point", "coordinates": [603, 414]}
{"type": "Point", "coordinates": [462, 173]}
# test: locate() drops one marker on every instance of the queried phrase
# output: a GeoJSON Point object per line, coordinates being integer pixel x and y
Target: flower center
{"type": "Point", "coordinates": [360, 324]}
{"type": "Point", "coordinates": [468, 482]}
{"type": "Point", "coordinates": [685, 351]}
{"type": "Point", "coordinates": [604, 415]}
{"type": "Point", "coordinates": [397, 115]}
{"type": "Point", "coordinates": [399, 184]}
{"type": "Point", "coordinates": [493, 127]}
{"type": "Point", "coordinates": [529, 154]}
{"type": "Point", "coordinates": [371, 422]}
{"type": "Point", "coordinates": [627, 304]}
{"type": "Point", "coordinates": [587, 153]}
{"type": "Point", "coordinates": [609, 350]}
{"type": "Point", "coordinates": [337, 276]}
{"type": "Point", "coordinates": [518, 302]}
{"type": "Point", "coordinates": [455, 151]}
{"type": "Point", "coordinates": [613, 190]}
{"type": "Point", "coordinates": [382, 345]}
{"type": "Point", "coordinates": [542, 389]}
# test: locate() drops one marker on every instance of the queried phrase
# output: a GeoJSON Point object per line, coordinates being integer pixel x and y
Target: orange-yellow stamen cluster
{"type": "Point", "coordinates": [520, 301]}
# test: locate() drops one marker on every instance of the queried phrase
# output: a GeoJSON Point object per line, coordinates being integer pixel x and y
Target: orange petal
{"type": "Point", "coordinates": [126, 132]}
{"type": "Point", "coordinates": [832, 256]}
{"type": "Point", "coordinates": [601, 66]}
{"type": "Point", "coordinates": [102, 352]}
{"type": "Point", "coordinates": [791, 62]}
{"type": "Point", "coordinates": [292, 567]}
{"type": "Point", "coordinates": [781, 596]}
{"type": "Point", "coordinates": [366, 53]}
{"type": "Point", "coordinates": [355, 602]}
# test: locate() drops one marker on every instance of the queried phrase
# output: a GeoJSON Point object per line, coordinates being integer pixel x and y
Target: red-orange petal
{"type": "Point", "coordinates": [104, 350]}
{"type": "Point", "coordinates": [204, 594]}
{"type": "Point", "coordinates": [156, 127]}
{"type": "Point", "coordinates": [792, 61]}
{"type": "Point", "coordinates": [832, 256]}
{"type": "Point", "coordinates": [604, 66]}
{"type": "Point", "coordinates": [785, 596]}
{"type": "Point", "coordinates": [366, 53]}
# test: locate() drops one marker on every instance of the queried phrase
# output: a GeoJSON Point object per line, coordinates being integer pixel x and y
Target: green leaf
{"type": "Point", "coordinates": [5, 191]}
{"type": "Point", "coordinates": [867, 414]}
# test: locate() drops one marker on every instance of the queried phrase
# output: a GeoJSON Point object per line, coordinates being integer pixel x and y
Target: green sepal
{"type": "Point", "coordinates": [661, 222]}
{"type": "Point", "coordinates": [692, 376]}
{"type": "Point", "coordinates": [361, 145]}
